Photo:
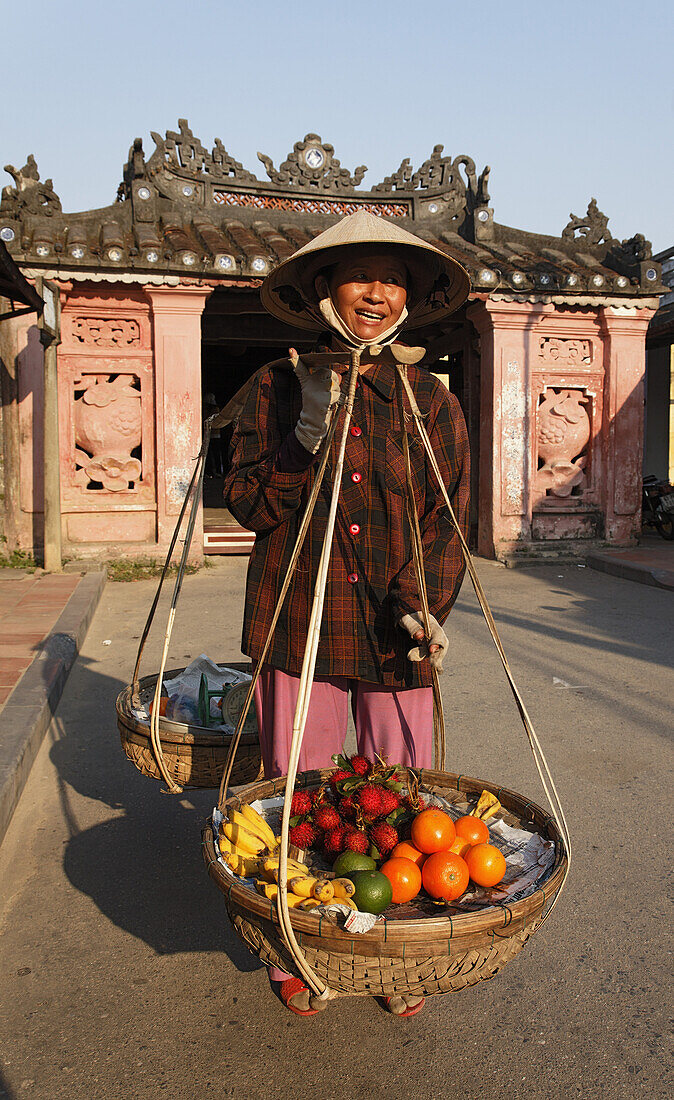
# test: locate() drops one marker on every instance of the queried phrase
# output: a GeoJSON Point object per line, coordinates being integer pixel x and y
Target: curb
{"type": "Point", "coordinates": [632, 571]}
{"type": "Point", "coordinates": [28, 712]}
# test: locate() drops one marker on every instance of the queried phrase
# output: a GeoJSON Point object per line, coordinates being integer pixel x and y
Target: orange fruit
{"type": "Point", "coordinates": [404, 876]}
{"type": "Point", "coordinates": [459, 846]}
{"type": "Point", "coordinates": [472, 829]}
{"type": "Point", "coordinates": [486, 864]}
{"type": "Point", "coordinates": [445, 875]}
{"type": "Point", "coordinates": [405, 850]}
{"type": "Point", "coordinates": [163, 703]}
{"type": "Point", "coordinates": [432, 831]}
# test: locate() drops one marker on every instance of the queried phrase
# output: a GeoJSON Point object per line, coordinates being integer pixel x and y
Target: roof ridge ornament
{"type": "Point", "coordinates": [180, 151]}
{"type": "Point", "coordinates": [29, 194]}
{"type": "Point", "coordinates": [313, 166]}
{"type": "Point", "coordinates": [592, 227]}
{"type": "Point", "coordinates": [440, 173]}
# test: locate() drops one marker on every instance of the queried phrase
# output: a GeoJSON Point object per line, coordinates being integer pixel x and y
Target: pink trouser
{"type": "Point", "coordinates": [396, 724]}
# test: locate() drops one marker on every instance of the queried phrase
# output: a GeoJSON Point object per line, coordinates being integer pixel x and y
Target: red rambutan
{"type": "Point", "coordinates": [361, 765]}
{"type": "Point", "coordinates": [390, 800]}
{"type": "Point", "coordinates": [302, 835]}
{"type": "Point", "coordinates": [369, 800]}
{"type": "Point", "coordinates": [326, 817]}
{"type": "Point", "coordinates": [333, 841]}
{"type": "Point", "coordinates": [414, 804]}
{"type": "Point", "coordinates": [337, 776]}
{"type": "Point", "coordinates": [356, 841]}
{"type": "Point", "coordinates": [301, 804]}
{"type": "Point", "coordinates": [384, 837]}
{"type": "Point", "coordinates": [346, 807]}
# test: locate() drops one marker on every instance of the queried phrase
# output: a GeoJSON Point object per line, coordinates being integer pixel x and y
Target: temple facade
{"type": "Point", "coordinates": [161, 321]}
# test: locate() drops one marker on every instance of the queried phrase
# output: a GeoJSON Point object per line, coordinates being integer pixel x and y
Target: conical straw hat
{"type": "Point", "coordinates": [439, 283]}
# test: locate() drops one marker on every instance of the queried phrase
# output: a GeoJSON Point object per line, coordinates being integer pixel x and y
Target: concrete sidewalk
{"type": "Point", "coordinates": [652, 562]}
{"type": "Point", "coordinates": [44, 619]}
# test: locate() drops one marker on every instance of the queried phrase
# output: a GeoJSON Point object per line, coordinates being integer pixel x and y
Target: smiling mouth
{"type": "Point", "coordinates": [366, 315]}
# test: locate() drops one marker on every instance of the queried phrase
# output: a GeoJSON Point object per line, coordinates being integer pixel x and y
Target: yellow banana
{"type": "Point", "coordinates": [303, 885]}
{"type": "Point", "coordinates": [244, 866]}
{"type": "Point", "coordinates": [245, 842]}
{"type": "Point", "coordinates": [323, 890]}
{"type": "Point", "coordinates": [252, 820]}
{"type": "Point", "coordinates": [270, 865]}
{"type": "Point", "coordinates": [344, 888]}
{"type": "Point", "coordinates": [267, 889]}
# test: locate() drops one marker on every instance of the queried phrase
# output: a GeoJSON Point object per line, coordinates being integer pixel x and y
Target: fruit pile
{"type": "Point", "coordinates": [384, 844]}
{"type": "Point", "coordinates": [441, 856]}
{"type": "Point", "coordinates": [360, 809]}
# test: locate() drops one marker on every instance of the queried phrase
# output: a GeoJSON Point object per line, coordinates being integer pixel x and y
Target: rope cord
{"type": "Point", "coordinates": [536, 749]}
{"type": "Point", "coordinates": [194, 493]}
{"type": "Point", "coordinates": [439, 738]}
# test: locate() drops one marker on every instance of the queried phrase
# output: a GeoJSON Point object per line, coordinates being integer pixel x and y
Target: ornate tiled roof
{"type": "Point", "coordinates": [190, 212]}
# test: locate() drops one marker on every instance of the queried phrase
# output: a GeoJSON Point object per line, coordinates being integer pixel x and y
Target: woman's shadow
{"type": "Point", "coordinates": [142, 867]}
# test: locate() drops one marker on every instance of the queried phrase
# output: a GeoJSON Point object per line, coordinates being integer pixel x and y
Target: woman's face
{"type": "Point", "coordinates": [369, 293]}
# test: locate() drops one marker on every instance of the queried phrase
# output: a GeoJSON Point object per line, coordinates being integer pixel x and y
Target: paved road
{"type": "Point", "coordinates": [121, 977]}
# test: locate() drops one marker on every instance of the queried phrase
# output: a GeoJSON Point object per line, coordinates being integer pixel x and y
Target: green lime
{"type": "Point", "coordinates": [352, 861]}
{"type": "Point", "coordinates": [373, 891]}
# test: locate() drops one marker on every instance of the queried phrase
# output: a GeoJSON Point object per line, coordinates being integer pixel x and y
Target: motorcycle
{"type": "Point", "coordinates": [657, 506]}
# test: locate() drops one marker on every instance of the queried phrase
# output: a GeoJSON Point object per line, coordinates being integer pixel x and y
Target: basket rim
{"type": "Point", "coordinates": [171, 731]}
{"type": "Point", "coordinates": [492, 919]}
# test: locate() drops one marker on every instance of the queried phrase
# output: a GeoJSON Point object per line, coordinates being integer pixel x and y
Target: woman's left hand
{"type": "Point", "coordinates": [433, 647]}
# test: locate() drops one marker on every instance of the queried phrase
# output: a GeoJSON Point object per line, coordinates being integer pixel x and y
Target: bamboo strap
{"type": "Point", "coordinates": [304, 527]}
{"type": "Point", "coordinates": [304, 692]}
{"type": "Point", "coordinates": [536, 749]}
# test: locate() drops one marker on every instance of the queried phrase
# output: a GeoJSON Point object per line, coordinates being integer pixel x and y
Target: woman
{"type": "Point", "coordinates": [356, 286]}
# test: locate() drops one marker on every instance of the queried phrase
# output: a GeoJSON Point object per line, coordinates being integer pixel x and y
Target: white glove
{"type": "Point", "coordinates": [320, 391]}
{"type": "Point", "coordinates": [414, 625]}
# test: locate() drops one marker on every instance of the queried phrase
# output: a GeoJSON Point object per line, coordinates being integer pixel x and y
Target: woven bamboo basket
{"type": "Point", "coordinates": [425, 956]}
{"type": "Point", "coordinates": [195, 756]}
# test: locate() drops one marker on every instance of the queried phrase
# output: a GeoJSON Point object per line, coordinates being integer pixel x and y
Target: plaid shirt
{"type": "Point", "coordinates": [371, 575]}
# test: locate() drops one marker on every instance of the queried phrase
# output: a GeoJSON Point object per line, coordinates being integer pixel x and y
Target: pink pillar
{"type": "Point", "coordinates": [561, 426]}
{"type": "Point", "coordinates": [624, 330]}
{"type": "Point", "coordinates": [177, 355]}
{"type": "Point", "coordinates": [505, 459]}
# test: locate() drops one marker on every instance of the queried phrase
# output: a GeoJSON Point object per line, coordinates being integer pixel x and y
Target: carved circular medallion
{"type": "Point", "coordinates": [42, 250]}
{"type": "Point", "coordinates": [572, 280]}
{"type": "Point", "coordinates": [597, 280]}
{"type": "Point", "coordinates": [483, 216]}
{"type": "Point", "coordinates": [433, 208]}
{"type": "Point", "coordinates": [115, 254]}
{"type": "Point", "coordinates": [7, 233]}
{"type": "Point", "coordinates": [152, 256]}
{"type": "Point", "coordinates": [259, 264]}
{"type": "Point", "coordinates": [225, 262]}
{"type": "Point", "coordinates": [622, 280]}
{"type": "Point", "coordinates": [188, 191]}
{"type": "Point", "coordinates": [189, 259]}
{"type": "Point", "coordinates": [517, 277]}
{"type": "Point", "coordinates": [651, 274]}
{"type": "Point", "coordinates": [314, 157]}
{"type": "Point", "coordinates": [77, 252]}
{"type": "Point", "coordinates": [143, 192]}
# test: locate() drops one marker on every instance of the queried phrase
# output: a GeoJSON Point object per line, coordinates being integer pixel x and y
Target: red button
{"type": "Point", "coordinates": [356, 477]}
{"type": "Point", "coordinates": [356, 431]}
{"type": "Point", "coordinates": [352, 578]}
{"type": "Point", "coordinates": [354, 529]}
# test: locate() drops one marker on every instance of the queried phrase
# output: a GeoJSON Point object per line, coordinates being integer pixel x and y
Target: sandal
{"type": "Point", "coordinates": [289, 989]}
{"type": "Point", "coordinates": [398, 1006]}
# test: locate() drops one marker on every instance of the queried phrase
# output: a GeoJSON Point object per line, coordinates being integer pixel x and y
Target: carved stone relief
{"type": "Point", "coordinates": [553, 349]}
{"type": "Point", "coordinates": [108, 431]}
{"type": "Point", "coordinates": [562, 435]}
{"type": "Point", "coordinates": [105, 332]}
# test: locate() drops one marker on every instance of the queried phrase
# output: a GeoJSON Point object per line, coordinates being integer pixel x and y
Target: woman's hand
{"type": "Point", "coordinates": [320, 391]}
{"type": "Point", "coordinates": [434, 647]}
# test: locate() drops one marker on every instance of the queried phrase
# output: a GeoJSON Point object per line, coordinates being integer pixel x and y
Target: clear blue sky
{"type": "Point", "coordinates": [565, 101]}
